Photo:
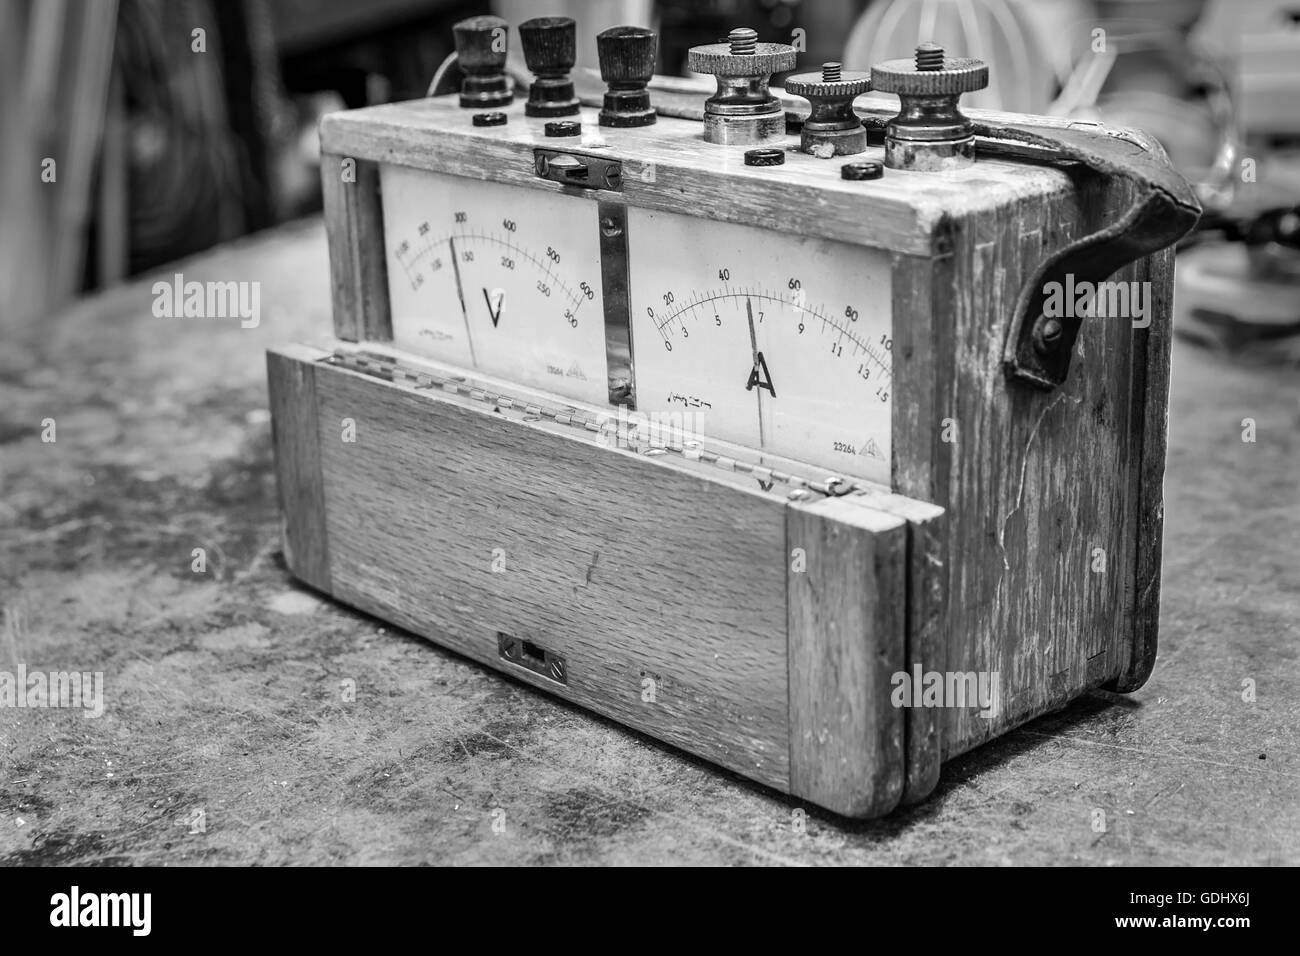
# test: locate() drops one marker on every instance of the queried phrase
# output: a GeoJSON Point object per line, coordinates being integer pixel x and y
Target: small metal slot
{"type": "Point", "coordinates": [532, 657]}
{"type": "Point", "coordinates": [575, 169]}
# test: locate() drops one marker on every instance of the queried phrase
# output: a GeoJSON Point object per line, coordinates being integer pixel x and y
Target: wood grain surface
{"type": "Point", "coordinates": [629, 570]}
{"type": "Point", "coordinates": [1043, 488]}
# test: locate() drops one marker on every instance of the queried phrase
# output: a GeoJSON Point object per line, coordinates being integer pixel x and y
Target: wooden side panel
{"type": "Point", "coordinates": [291, 377]}
{"type": "Point", "coordinates": [1042, 537]}
{"type": "Point", "coordinates": [444, 520]}
{"type": "Point", "coordinates": [354, 226]}
{"type": "Point", "coordinates": [847, 614]}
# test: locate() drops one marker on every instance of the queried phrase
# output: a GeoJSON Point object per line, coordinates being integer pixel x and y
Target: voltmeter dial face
{"type": "Point", "coordinates": [774, 341]}
{"type": "Point", "coordinates": [497, 278]}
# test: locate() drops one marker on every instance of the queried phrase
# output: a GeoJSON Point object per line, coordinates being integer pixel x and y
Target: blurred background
{"type": "Point", "coordinates": [175, 125]}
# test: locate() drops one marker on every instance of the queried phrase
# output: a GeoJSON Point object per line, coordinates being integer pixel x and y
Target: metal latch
{"type": "Point", "coordinates": [575, 169]}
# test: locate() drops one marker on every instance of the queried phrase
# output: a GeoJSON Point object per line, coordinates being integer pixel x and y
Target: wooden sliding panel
{"type": "Point", "coordinates": [1149, 431]}
{"type": "Point", "coordinates": [662, 592]}
{"type": "Point", "coordinates": [926, 649]}
{"type": "Point", "coordinates": [847, 615]}
{"type": "Point", "coordinates": [291, 376]}
{"type": "Point", "coordinates": [354, 227]}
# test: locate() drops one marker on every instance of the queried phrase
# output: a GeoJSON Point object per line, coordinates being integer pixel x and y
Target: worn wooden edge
{"type": "Point", "coordinates": [669, 168]}
{"type": "Point", "coordinates": [845, 606]}
{"type": "Point", "coordinates": [926, 638]}
{"type": "Point", "coordinates": [291, 382]}
{"type": "Point", "coordinates": [354, 230]}
{"type": "Point", "coordinates": [927, 645]}
{"type": "Point", "coordinates": [924, 339]}
{"type": "Point", "coordinates": [1151, 398]}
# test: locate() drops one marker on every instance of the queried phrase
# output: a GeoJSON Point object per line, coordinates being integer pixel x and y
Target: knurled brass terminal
{"type": "Point", "coordinates": [743, 111]}
{"type": "Point", "coordinates": [929, 133]}
{"type": "Point", "coordinates": [832, 129]}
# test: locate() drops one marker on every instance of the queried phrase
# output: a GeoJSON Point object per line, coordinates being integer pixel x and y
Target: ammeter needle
{"type": "Point", "coordinates": [753, 346]}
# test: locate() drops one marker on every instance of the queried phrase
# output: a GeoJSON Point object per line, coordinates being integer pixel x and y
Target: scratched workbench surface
{"type": "Point", "coordinates": [227, 736]}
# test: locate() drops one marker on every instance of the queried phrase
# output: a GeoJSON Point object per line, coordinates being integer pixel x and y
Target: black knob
{"type": "Point", "coordinates": [627, 62]}
{"type": "Point", "coordinates": [481, 55]}
{"type": "Point", "coordinates": [550, 48]}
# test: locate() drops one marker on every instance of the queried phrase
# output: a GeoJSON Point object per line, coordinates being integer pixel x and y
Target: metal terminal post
{"type": "Point", "coordinates": [929, 133]}
{"type": "Point", "coordinates": [743, 112]}
{"type": "Point", "coordinates": [832, 129]}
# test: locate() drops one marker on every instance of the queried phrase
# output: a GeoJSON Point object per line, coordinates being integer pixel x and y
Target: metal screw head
{"type": "Point", "coordinates": [1047, 336]}
{"type": "Point", "coordinates": [489, 119]}
{"type": "Point", "coordinates": [743, 40]}
{"type": "Point", "coordinates": [929, 56]}
{"type": "Point", "coordinates": [799, 494]}
{"type": "Point", "coordinates": [556, 669]}
{"type": "Point", "coordinates": [837, 486]}
{"type": "Point", "coordinates": [563, 128]}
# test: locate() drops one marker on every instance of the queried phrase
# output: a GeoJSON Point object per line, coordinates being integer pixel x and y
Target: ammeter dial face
{"type": "Point", "coordinates": [770, 340]}
{"type": "Point", "coordinates": [497, 278]}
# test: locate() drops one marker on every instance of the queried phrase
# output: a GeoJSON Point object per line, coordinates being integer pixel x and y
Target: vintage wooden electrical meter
{"type": "Point", "coordinates": [819, 439]}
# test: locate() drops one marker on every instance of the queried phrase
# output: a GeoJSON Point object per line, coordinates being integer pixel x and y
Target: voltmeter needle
{"type": "Point", "coordinates": [460, 294]}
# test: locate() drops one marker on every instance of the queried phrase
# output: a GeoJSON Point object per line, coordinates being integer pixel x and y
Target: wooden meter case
{"type": "Point", "coordinates": [810, 437]}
